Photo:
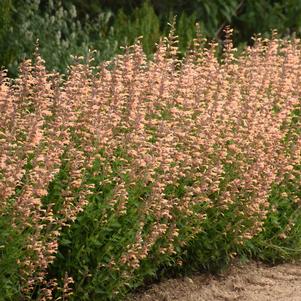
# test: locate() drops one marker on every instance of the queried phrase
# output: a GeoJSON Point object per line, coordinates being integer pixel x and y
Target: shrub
{"type": "Point", "coordinates": [108, 176]}
{"type": "Point", "coordinates": [58, 30]}
{"type": "Point", "coordinates": [142, 22]}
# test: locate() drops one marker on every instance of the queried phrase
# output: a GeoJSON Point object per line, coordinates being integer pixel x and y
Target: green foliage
{"type": "Point", "coordinates": [72, 27]}
{"type": "Point", "coordinates": [99, 237]}
{"type": "Point", "coordinates": [11, 243]}
{"type": "Point", "coordinates": [186, 30]}
{"type": "Point", "coordinates": [280, 241]}
{"type": "Point", "coordinates": [5, 24]}
{"type": "Point", "coordinates": [142, 22]}
{"type": "Point", "coordinates": [247, 17]}
{"type": "Point", "coordinates": [262, 16]}
{"type": "Point", "coordinates": [59, 33]}
{"type": "Point", "coordinates": [91, 248]}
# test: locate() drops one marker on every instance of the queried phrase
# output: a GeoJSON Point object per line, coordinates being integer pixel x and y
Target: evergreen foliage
{"type": "Point", "coordinates": [72, 27]}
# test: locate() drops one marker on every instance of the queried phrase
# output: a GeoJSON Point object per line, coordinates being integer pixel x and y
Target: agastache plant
{"type": "Point", "coordinates": [219, 130]}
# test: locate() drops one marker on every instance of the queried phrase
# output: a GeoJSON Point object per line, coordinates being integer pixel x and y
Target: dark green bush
{"type": "Point", "coordinates": [72, 27]}
{"type": "Point", "coordinates": [58, 31]}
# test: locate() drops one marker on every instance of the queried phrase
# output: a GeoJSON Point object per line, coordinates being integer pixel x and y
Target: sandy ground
{"type": "Point", "coordinates": [248, 282]}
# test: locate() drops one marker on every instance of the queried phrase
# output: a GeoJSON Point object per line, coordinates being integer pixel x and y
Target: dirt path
{"type": "Point", "coordinates": [250, 282]}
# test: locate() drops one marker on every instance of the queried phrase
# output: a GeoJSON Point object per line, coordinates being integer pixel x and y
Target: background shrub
{"type": "Point", "coordinates": [72, 27]}
{"type": "Point", "coordinates": [59, 32]}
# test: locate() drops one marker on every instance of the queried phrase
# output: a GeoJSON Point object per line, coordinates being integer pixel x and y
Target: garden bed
{"type": "Point", "coordinates": [249, 282]}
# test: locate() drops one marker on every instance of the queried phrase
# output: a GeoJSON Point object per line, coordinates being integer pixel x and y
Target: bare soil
{"type": "Point", "coordinates": [241, 282]}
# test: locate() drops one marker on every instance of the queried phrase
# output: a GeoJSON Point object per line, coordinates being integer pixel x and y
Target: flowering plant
{"type": "Point", "coordinates": [108, 176]}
